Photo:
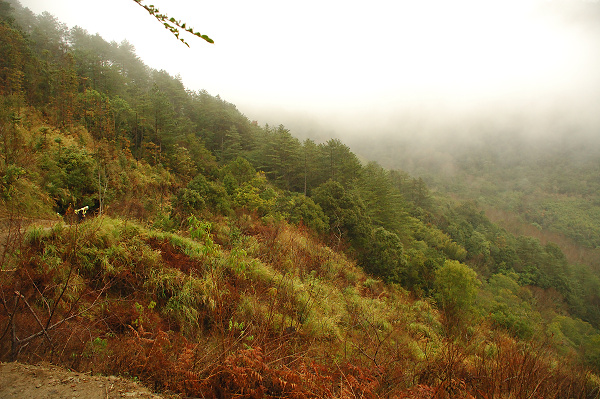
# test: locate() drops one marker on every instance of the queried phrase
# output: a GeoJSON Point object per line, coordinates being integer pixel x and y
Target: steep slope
{"type": "Point", "coordinates": [264, 312]}
{"type": "Point", "coordinates": [219, 258]}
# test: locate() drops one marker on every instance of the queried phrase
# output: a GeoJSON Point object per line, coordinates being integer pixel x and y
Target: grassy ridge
{"type": "Point", "coordinates": [266, 312]}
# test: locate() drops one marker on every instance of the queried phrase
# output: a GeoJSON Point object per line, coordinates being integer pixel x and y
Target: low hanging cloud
{"type": "Point", "coordinates": [416, 69]}
{"type": "Point", "coordinates": [458, 69]}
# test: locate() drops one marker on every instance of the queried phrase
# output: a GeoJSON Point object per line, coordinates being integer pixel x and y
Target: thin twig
{"type": "Point", "coordinates": [44, 331]}
{"type": "Point", "coordinates": [12, 314]}
{"type": "Point", "coordinates": [58, 323]}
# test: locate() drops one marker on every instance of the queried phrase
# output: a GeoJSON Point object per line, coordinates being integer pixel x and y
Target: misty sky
{"type": "Point", "coordinates": [376, 66]}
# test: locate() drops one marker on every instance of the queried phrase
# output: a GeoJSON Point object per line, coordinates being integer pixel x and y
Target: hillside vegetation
{"type": "Point", "coordinates": [549, 182]}
{"type": "Point", "coordinates": [223, 259]}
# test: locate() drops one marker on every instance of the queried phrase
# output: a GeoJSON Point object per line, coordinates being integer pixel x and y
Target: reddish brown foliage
{"type": "Point", "coordinates": [124, 334]}
{"type": "Point", "coordinates": [171, 362]}
{"type": "Point", "coordinates": [173, 257]}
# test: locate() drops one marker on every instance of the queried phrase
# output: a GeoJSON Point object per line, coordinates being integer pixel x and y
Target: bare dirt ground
{"type": "Point", "coordinates": [19, 381]}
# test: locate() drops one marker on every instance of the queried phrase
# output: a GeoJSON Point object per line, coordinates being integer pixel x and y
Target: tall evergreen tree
{"type": "Point", "coordinates": [385, 205]}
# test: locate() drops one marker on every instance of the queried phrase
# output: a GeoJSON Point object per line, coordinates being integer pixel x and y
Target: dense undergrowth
{"type": "Point", "coordinates": [223, 259]}
{"type": "Point", "coordinates": [266, 312]}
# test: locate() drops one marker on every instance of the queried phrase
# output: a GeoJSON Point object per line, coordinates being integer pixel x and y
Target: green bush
{"type": "Point", "coordinates": [299, 208]}
{"type": "Point", "coordinates": [385, 256]}
{"type": "Point", "coordinates": [456, 287]}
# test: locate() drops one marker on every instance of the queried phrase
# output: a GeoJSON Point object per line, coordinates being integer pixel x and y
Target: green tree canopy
{"type": "Point", "coordinates": [456, 287]}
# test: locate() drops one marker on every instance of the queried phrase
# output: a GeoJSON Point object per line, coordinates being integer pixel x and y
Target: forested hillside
{"type": "Point", "coordinates": [220, 258]}
{"type": "Point", "coordinates": [550, 182]}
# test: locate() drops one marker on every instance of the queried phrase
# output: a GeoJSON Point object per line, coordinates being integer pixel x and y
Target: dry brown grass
{"type": "Point", "coordinates": [300, 321]}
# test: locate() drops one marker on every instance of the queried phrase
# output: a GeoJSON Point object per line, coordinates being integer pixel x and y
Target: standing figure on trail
{"type": "Point", "coordinates": [81, 213]}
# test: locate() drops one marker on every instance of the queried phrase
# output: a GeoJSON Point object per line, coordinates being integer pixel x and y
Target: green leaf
{"type": "Point", "coordinates": [171, 23]}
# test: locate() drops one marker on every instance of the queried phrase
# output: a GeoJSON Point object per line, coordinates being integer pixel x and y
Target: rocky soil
{"type": "Point", "coordinates": [19, 381]}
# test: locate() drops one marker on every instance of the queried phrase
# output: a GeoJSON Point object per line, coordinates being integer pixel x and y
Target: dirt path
{"type": "Point", "coordinates": [19, 381]}
{"type": "Point", "coordinates": [13, 229]}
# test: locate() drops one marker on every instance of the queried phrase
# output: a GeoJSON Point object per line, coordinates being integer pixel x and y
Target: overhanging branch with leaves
{"type": "Point", "coordinates": [171, 24]}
